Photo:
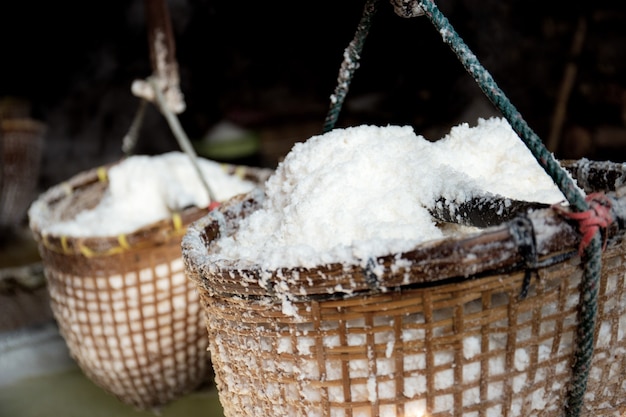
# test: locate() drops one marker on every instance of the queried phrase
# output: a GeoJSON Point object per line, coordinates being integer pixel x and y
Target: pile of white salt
{"type": "Point", "coordinates": [363, 192]}
{"type": "Point", "coordinates": [142, 190]}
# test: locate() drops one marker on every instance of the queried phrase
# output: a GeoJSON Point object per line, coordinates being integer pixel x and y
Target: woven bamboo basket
{"type": "Point", "coordinates": [128, 314]}
{"type": "Point", "coordinates": [21, 144]}
{"type": "Point", "coordinates": [441, 330]}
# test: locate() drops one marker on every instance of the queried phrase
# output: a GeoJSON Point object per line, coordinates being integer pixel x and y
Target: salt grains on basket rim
{"type": "Point", "coordinates": [363, 192]}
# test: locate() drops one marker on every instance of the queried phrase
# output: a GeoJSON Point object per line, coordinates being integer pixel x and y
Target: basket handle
{"type": "Point", "coordinates": [592, 252]}
{"type": "Point", "coordinates": [592, 248]}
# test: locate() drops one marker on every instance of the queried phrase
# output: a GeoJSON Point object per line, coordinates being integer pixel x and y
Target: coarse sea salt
{"type": "Point", "coordinates": [143, 190]}
{"type": "Point", "coordinates": [363, 191]}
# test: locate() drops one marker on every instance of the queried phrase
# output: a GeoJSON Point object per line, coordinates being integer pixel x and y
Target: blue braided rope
{"type": "Point", "coordinates": [498, 98]}
{"type": "Point", "coordinates": [586, 325]}
{"type": "Point", "coordinates": [350, 64]}
{"type": "Point", "coordinates": [593, 260]}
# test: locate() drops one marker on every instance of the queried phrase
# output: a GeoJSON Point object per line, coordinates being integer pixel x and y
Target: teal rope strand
{"type": "Point", "coordinates": [350, 64]}
{"type": "Point", "coordinates": [593, 262]}
{"type": "Point", "coordinates": [499, 99]}
{"type": "Point", "coordinates": [586, 325]}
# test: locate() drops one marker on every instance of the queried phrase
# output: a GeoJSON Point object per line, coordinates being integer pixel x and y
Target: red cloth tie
{"type": "Point", "coordinates": [598, 217]}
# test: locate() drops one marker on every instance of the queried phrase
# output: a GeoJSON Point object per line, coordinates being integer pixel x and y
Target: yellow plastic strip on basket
{"type": "Point", "coordinates": [67, 188]}
{"type": "Point", "coordinates": [102, 174]}
{"type": "Point", "coordinates": [124, 245]}
{"type": "Point", "coordinates": [46, 242]}
{"type": "Point", "coordinates": [88, 253]}
{"type": "Point", "coordinates": [240, 171]}
{"type": "Point", "coordinates": [66, 249]}
{"type": "Point", "coordinates": [123, 241]}
{"type": "Point", "coordinates": [177, 221]}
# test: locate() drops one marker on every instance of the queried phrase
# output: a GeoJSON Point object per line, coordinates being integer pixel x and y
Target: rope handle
{"type": "Point", "coordinates": [350, 64]}
{"type": "Point", "coordinates": [591, 219]}
{"type": "Point", "coordinates": [590, 245]}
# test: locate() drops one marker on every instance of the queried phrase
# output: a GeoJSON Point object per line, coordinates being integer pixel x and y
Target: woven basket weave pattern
{"type": "Point", "coordinates": [461, 347]}
{"type": "Point", "coordinates": [133, 327]}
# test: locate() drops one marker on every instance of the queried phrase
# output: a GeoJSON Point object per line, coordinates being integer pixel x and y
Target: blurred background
{"type": "Point", "coordinates": [269, 68]}
{"type": "Point", "coordinates": [260, 75]}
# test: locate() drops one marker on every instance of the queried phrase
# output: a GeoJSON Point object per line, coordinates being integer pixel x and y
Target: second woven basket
{"type": "Point", "coordinates": [129, 316]}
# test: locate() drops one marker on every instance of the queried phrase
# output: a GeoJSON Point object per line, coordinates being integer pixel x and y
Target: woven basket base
{"type": "Point", "coordinates": [466, 349]}
{"type": "Point", "coordinates": [134, 325]}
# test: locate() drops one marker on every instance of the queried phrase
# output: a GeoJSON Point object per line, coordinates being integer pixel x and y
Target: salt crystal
{"type": "Point", "coordinates": [471, 347]}
{"type": "Point", "coordinates": [389, 349]}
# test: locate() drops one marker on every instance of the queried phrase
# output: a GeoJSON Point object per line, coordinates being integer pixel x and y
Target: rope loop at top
{"type": "Point", "coordinates": [591, 219]}
{"type": "Point", "coordinates": [350, 63]}
{"type": "Point", "coordinates": [407, 8]}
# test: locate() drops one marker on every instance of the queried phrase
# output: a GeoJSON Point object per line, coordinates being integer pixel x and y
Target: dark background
{"type": "Point", "coordinates": [271, 67]}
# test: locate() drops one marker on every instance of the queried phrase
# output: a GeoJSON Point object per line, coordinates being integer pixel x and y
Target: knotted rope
{"type": "Point", "coordinates": [597, 219]}
{"type": "Point", "coordinates": [592, 249]}
{"type": "Point", "coordinates": [350, 64]}
{"type": "Point", "coordinates": [591, 219]}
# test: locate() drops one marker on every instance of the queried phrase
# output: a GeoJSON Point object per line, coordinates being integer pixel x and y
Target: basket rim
{"type": "Point", "coordinates": [23, 124]}
{"type": "Point", "coordinates": [537, 239]}
{"type": "Point", "coordinates": [156, 233]}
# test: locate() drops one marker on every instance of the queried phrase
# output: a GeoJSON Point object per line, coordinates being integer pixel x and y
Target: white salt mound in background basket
{"type": "Point", "coordinates": [145, 189]}
{"type": "Point", "coordinates": [362, 192]}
